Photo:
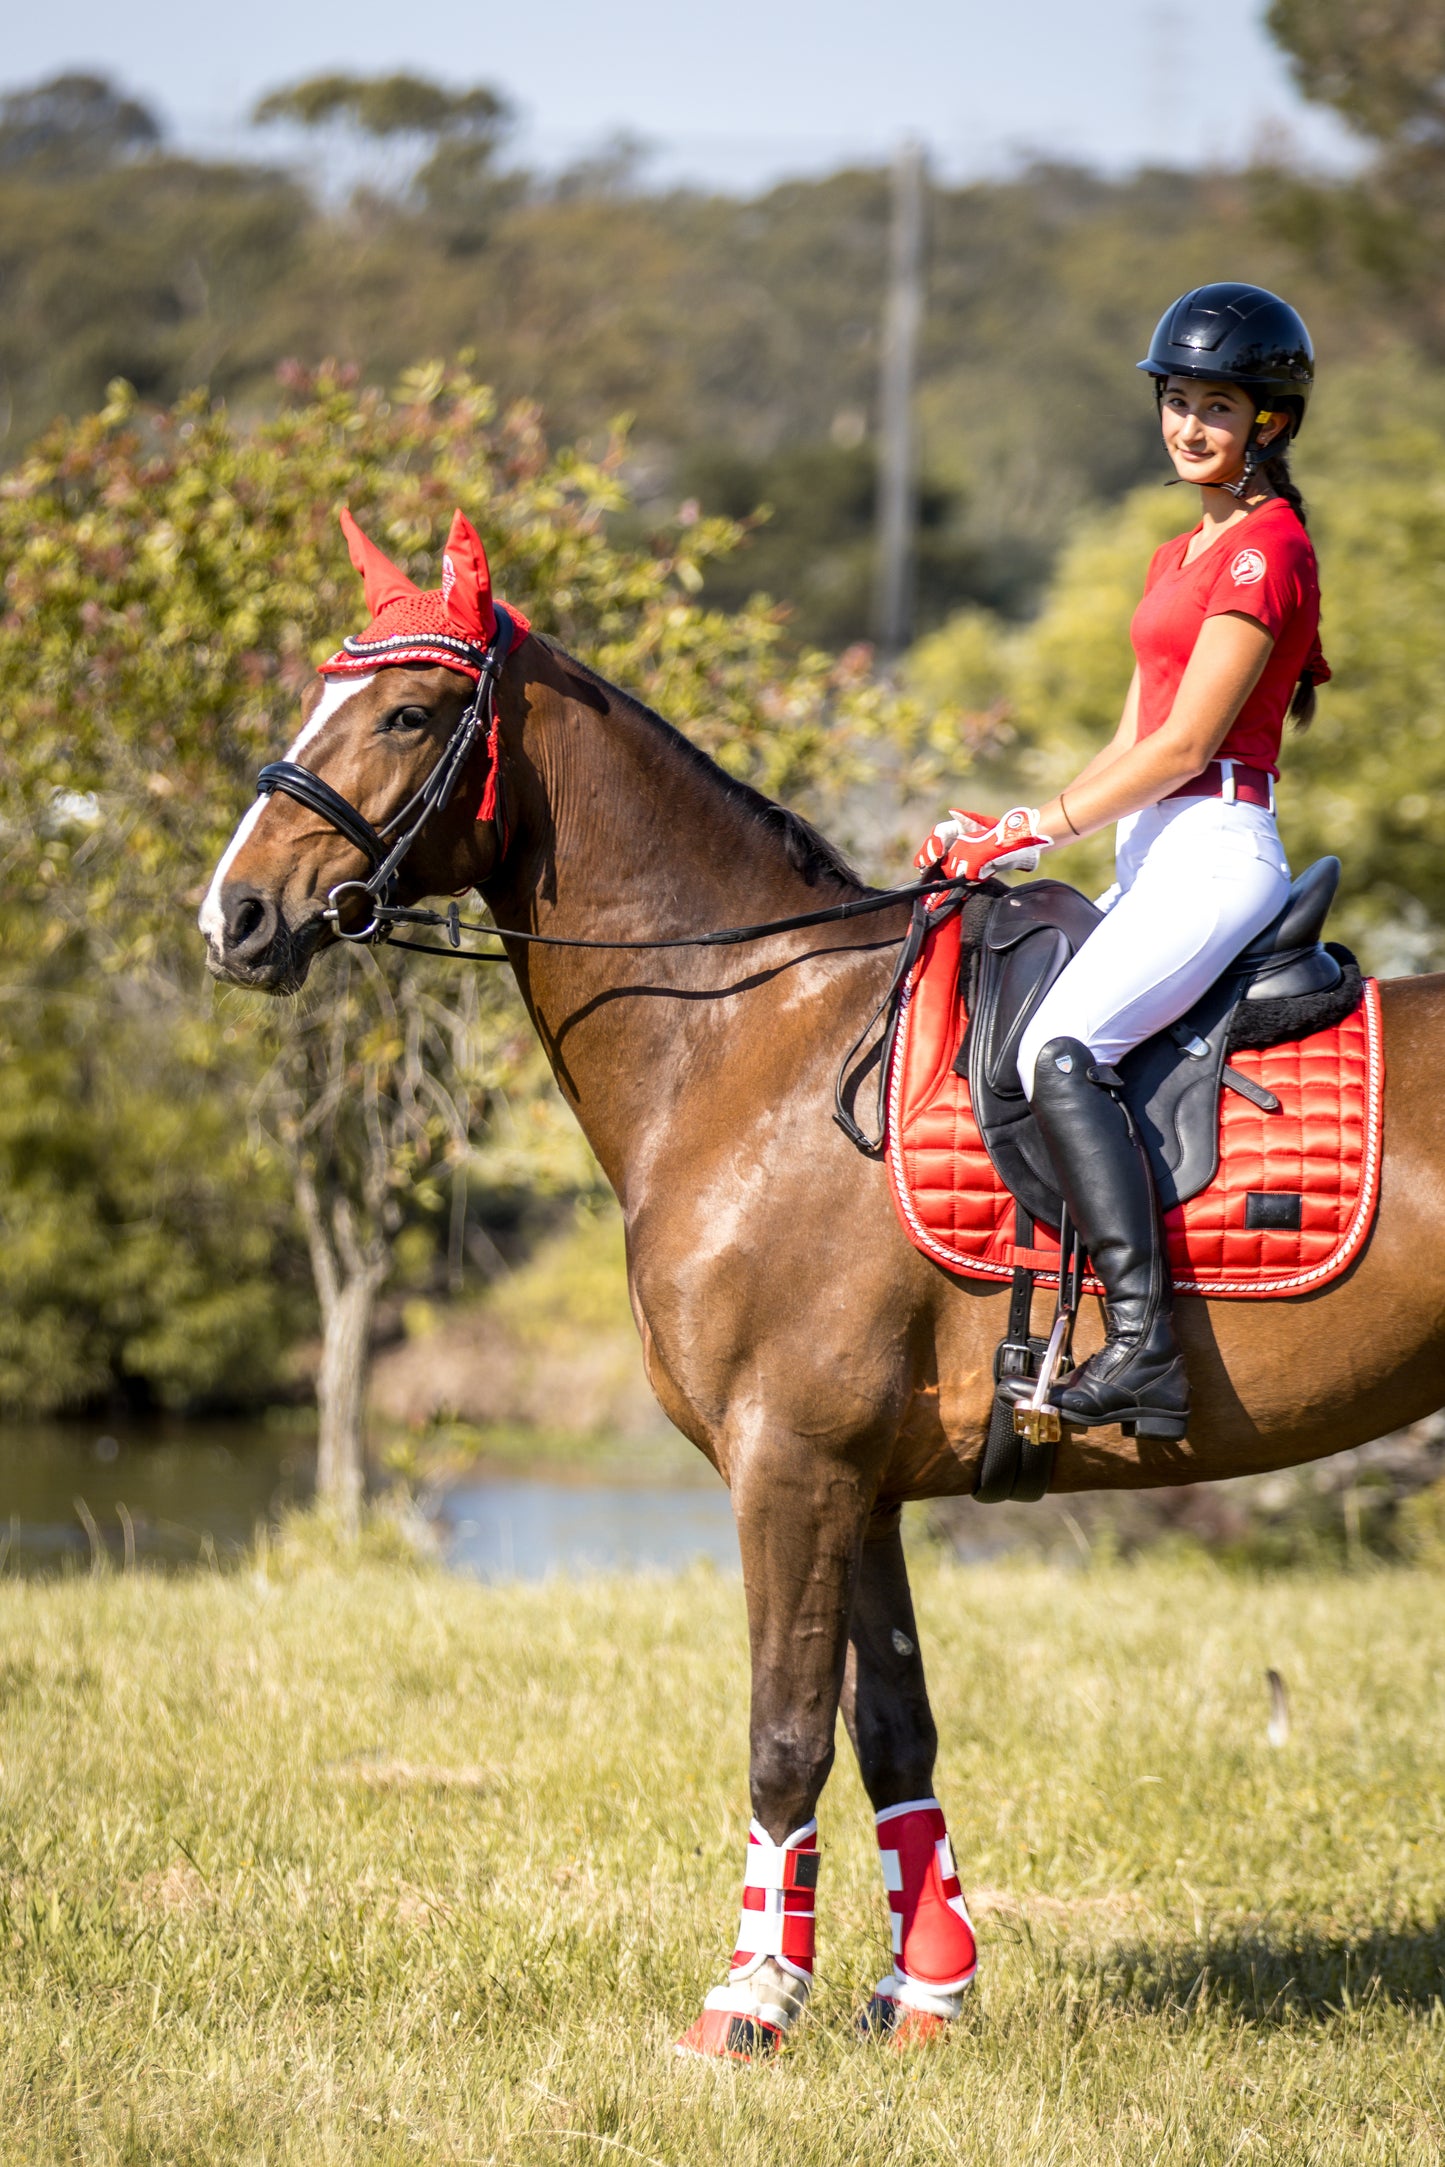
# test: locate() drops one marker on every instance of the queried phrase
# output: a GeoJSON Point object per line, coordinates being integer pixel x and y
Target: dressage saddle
{"type": "Point", "coordinates": [1285, 984]}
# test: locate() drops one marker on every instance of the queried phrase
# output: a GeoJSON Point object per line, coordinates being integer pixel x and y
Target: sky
{"type": "Point", "coordinates": [740, 96]}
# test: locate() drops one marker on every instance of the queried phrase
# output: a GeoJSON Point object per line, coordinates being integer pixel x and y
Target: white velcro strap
{"type": "Point", "coordinates": [760, 1933]}
{"type": "Point", "coordinates": [765, 1869]}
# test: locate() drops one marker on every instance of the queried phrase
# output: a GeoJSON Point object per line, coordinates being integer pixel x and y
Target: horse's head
{"type": "Point", "coordinates": [390, 791]}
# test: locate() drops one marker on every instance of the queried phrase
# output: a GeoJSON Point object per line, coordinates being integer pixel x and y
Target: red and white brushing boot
{"type": "Point", "coordinates": [772, 1967]}
{"type": "Point", "coordinates": [934, 1952]}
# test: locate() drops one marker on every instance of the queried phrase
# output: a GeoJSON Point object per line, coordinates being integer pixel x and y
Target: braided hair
{"type": "Point", "coordinates": [1276, 469]}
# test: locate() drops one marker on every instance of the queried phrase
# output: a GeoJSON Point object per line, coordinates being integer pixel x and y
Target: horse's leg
{"type": "Point", "coordinates": [885, 1706]}
{"type": "Point", "coordinates": [801, 1510]}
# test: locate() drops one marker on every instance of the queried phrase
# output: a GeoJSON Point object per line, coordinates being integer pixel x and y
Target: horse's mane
{"type": "Point", "coordinates": [806, 850]}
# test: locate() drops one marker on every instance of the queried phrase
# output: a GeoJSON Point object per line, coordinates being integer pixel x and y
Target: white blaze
{"type": "Point", "coordinates": [338, 691]}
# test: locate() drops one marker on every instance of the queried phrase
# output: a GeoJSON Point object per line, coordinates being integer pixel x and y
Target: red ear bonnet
{"type": "Point", "coordinates": [381, 581]}
{"type": "Point", "coordinates": [467, 581]}
{"type": "Point", "coordinates": [450, 626]}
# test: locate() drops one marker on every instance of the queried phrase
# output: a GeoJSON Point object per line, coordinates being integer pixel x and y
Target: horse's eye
{"type": "Point", "coordinates": [408, 718]}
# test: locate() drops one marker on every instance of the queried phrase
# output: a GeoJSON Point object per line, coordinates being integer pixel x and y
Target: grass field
{"type": "Point", "coordinates": [306, 1864]}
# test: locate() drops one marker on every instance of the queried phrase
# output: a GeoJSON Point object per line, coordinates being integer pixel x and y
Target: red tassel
{"type": "Point", "coordinates": [487, 810]}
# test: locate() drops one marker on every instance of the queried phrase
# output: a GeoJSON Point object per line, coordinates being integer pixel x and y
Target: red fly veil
{"type": "Point", "coordinates": [451, 626]}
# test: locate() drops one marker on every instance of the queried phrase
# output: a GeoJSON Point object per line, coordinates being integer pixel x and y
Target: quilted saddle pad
{"type": "Point", "coordinates": [1289, 1210]}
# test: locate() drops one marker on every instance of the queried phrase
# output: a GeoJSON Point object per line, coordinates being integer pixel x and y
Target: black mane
{"type": "Point", "coordinates": [808, 852]}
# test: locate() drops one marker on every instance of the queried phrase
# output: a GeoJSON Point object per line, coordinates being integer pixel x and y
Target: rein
{"type": "Point", "coordinates": [725, 937]}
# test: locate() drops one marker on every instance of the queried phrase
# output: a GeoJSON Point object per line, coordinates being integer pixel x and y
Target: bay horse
{"type": "Point", "coordinates": [827, 1370]}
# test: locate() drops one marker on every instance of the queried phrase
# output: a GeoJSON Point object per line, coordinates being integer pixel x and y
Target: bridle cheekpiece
{"type": "Point", "coordinates": [461, 628]}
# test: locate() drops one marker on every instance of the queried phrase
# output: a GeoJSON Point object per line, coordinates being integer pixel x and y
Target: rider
{"type": "Point", "coordinates": [1226, 643]}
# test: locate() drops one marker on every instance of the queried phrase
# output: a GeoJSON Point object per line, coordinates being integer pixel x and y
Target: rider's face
{"type": "Point", "coordinates": [1206, 429]}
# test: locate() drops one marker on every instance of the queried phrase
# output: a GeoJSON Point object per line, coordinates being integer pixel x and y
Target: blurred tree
{"type": "Point", "coordinates": [73, 124]}
{"type": "Point", "coordinates": [383, 105]}
{"type": "Point", "coordinates": [1379, 63]}
{"type": "Point", "coordinates": [143, 1248]}
{"type": "Point", "coordinates": [455, 136]}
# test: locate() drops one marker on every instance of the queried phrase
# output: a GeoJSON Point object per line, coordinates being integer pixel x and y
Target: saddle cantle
{"type": "Point", "coordinates": [1283, 985]}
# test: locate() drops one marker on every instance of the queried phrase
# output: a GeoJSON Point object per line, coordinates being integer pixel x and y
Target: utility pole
{"type": "Point", "coordinates": [901, 325]}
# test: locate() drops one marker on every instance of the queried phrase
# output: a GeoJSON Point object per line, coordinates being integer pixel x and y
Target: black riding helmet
{"type": "Point", "coordinates": [1238, 335]}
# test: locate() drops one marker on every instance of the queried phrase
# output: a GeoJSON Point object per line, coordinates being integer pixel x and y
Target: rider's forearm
{"type": "Point", "coordinates": [1137, 776]}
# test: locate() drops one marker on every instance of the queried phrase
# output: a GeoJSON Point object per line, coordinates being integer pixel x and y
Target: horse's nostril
{"type": "Point", "coordinates": [250, 921]}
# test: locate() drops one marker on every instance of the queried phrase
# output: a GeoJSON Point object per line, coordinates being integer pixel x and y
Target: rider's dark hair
{"type": "Point", "coordinates": [1302, 705]}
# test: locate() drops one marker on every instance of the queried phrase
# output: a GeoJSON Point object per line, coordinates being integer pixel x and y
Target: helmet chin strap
{"type": "Point", "coordinates": [1256, 454]}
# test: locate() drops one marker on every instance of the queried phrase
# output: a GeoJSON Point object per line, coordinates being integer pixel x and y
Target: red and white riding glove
{"type": "Point", "coordinates": [934, 1952]}
{"type": "Point", "coordinates": [772, 1967]}
{"type": "Point", "coordinates": [949, 831]}
{"type": "Point", "coordinates": [966, 846]}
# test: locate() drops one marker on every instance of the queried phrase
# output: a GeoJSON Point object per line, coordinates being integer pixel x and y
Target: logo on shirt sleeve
{"type": "Point", "coordinates": [1248, 568]}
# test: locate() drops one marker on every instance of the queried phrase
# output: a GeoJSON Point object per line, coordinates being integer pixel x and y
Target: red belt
{"type": "Point", "coordinates": [1252, 785]}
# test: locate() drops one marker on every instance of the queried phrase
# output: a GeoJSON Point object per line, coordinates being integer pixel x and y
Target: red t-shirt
{"type": "Point", "coordinates": [1265, 569]}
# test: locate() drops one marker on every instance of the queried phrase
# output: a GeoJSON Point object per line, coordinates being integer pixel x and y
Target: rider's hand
{"type": "Point", "coordinates": [1011, 846]}
{"type": "Point", "coordinates": [947, 833]}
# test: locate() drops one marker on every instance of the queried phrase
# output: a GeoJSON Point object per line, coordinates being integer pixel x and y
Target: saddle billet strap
{"type": "Point", "coordinates": [921, 924]}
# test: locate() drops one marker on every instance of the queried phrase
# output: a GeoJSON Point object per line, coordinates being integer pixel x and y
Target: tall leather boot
{"type": "Point", "coordinates": [1137, 1376]}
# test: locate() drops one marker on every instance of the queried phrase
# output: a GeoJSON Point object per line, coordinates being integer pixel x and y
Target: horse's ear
{"type": "Point", "coordinates": [467, 583]}
{"type": "Point", "coordinates": [381, 579]}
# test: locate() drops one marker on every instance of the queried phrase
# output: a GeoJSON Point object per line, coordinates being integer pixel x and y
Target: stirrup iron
{"type": "Point", "coordinates": [1036, 1419]}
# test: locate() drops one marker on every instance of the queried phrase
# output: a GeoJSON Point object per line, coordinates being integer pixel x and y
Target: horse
{"type": "Point", "coordinates": [827, 1369]}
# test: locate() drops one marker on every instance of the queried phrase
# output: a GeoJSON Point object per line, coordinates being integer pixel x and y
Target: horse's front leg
{"type": "Point", "coordinates": [801, 1511]}
{"type": "Point", "coordinates": [885, 1706]}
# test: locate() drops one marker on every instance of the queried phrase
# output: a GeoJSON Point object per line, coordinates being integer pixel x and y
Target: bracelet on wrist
{"type": "Point", "coordinates": [1063, 808]}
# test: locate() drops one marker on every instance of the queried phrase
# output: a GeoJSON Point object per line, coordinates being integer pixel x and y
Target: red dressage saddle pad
{"type": "Point", "coordinates": [1322, 1149]}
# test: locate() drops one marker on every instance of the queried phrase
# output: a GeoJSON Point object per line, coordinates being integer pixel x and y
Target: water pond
{"type": "Point", "coordinates": [183, 1494]}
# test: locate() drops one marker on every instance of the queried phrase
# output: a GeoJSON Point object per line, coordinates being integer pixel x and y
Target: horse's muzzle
{"type": "Point", "coordinates": [255, 946]}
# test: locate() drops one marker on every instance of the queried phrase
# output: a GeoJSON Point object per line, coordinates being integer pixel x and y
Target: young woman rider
{"type": "Point", "coordinates": [1226, 643]}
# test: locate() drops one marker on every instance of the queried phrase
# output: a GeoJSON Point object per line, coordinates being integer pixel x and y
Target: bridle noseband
{"type": "Point", "coordinates": [385, 848]}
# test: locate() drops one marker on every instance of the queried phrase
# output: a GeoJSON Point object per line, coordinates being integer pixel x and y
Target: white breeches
{"type": "Point", "coordinates": [1197, 879]}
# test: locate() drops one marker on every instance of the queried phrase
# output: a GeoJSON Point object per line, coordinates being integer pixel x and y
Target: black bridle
{"type": "Point", "coordinates": [386, 847]}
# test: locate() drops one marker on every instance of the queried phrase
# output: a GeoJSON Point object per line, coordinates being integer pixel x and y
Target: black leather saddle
{"type": "Point", "coordinates": [1285, 984]}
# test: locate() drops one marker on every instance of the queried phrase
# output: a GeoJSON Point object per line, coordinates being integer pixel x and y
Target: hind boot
{"type": "Point", "coordinates": [934, 1952]}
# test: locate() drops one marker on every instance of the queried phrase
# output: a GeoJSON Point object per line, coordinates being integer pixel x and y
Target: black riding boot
{"type": "Point", "coordinates": [1138, 1374]}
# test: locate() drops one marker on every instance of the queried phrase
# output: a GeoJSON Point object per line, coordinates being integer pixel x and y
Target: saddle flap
{"type": "Point", "coordinates": [1022, 975]}
{"type": "Point", "coordinates": [1029, 936]}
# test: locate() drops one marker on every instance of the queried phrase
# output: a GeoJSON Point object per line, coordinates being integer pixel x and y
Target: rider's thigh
{"type": "Point", "coordinates": [1191, 907]}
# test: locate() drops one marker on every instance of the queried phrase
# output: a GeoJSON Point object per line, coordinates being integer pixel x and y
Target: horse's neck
{"type": "Point", "coordinates": [620, 829]}
{"type": "Point", "coordinates": [617, 831]}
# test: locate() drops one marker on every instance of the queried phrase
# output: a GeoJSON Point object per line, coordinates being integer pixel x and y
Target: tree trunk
{"type": "Point", "coordinates": [341, 1397]}
{"type": "Point", "coordinates": [349, 1273]}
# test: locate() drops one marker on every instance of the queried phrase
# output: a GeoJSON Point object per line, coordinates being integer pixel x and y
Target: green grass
{"type": "Point", "coordinates": [304, 1864]}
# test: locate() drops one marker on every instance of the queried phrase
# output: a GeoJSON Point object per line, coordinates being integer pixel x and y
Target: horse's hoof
{"type": "Point", "coordinates": [898, 2020]}
{"type": "Point", "coordinates": [723, 2035]}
